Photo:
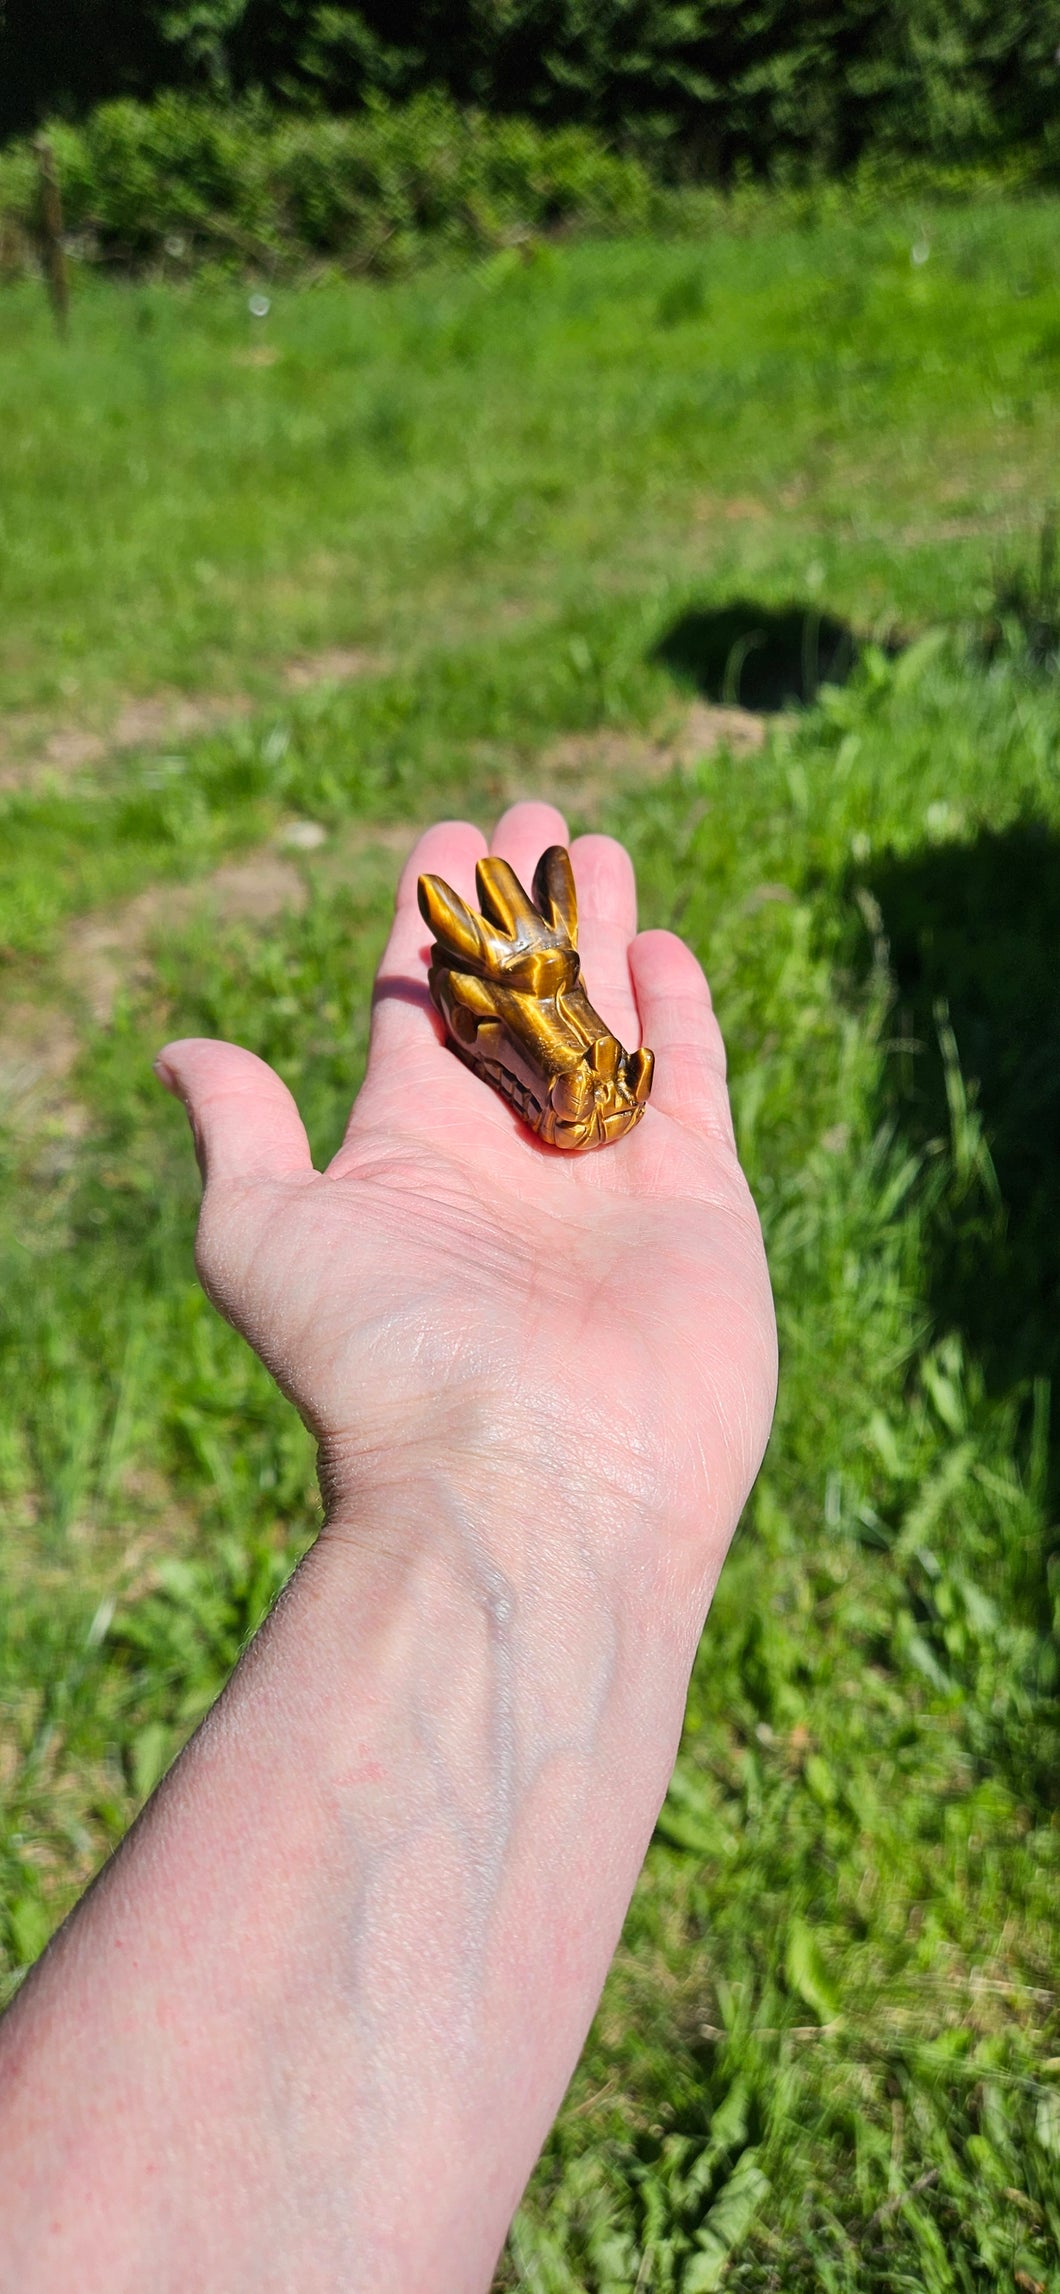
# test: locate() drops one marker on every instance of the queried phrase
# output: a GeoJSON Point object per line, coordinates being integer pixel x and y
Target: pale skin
{"type": "Point", "coordinates": [308, 2031]}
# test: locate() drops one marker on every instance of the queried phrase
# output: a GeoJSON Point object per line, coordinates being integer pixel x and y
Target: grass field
{"type": "Point", "coordinates": [274, 591]}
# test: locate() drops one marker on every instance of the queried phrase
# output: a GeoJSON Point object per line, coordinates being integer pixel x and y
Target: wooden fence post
{"type": "Point", "coordinates": [51, 231]}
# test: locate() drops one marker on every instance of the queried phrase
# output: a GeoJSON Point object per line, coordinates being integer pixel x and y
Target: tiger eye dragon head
{"type": "Point", "coordinates": [509, 988]}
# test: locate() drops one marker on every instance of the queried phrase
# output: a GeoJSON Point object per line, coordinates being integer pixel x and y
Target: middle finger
{"type": "Point", "coordinates": [607, 921]}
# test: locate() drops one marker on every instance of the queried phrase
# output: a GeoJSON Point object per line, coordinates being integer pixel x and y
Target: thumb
{"type": "Point", "coordinates": [244, 1121]}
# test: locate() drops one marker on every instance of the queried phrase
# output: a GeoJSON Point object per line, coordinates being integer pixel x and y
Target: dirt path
{"type": "Point", "coordinates": [34, 752]}
{"type": "Point", "coordinates": [108, 951]}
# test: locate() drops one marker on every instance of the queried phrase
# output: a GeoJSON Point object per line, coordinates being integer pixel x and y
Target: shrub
{"type": "Point", "coordinates": [427, 168]}
{"type": "Point", "coordinates": [369, 188]}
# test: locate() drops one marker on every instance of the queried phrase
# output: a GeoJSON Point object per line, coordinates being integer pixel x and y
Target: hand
{"type": "Point", "coordinates": [313, 2024]}
{"type": "Point", "coordinates": [449, 1290]}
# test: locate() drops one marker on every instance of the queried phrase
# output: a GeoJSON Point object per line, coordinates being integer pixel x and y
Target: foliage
{"type": "Point", "coordinates": [827, 2055]}
{"type": "Point", "coordinates": [182, 177]}
{"type": "Point", "coordinates": [715, 85]}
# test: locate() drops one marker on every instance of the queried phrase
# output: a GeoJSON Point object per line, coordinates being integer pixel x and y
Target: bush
{"type": "Point", "coordinates": [191, 176]}
{"type": "Point", "coordinates": [402, 172]}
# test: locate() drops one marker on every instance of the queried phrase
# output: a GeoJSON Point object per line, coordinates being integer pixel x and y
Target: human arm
{"type": "Point", "coordinates": [313, 2023]}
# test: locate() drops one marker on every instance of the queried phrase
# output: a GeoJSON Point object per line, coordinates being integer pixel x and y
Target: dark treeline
{"type": "Point", "coordinates": [708, 87]}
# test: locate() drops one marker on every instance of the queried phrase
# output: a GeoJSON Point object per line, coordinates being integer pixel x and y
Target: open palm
{"type": "Point", "coordinates": [449, 1287]}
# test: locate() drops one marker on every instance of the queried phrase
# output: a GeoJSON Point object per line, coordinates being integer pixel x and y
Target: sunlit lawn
{"type": "Point", "coordinates": [526, 494]}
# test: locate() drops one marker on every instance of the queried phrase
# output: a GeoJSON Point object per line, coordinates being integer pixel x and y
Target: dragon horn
{"type": "Point", "coordinates": [504, 902]}
{"type": "Point", "coordinates": [554, 891]}
{"type": "Point", "coordinates": [455, 927]}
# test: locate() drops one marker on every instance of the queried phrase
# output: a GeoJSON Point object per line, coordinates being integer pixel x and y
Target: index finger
{"type": "Point", "coordinates": [402, 1012]}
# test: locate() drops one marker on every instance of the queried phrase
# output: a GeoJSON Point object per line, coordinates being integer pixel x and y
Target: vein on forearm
{"type": "Point", "coordinates": [470, 1733]}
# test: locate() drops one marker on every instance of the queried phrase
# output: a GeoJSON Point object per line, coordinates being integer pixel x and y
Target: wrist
{"type": "Point", "coordinates": [507, 1506]}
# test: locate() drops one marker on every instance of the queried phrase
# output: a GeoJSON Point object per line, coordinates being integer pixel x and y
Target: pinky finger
{"type": "Point", "coordinates": [677, 1021]}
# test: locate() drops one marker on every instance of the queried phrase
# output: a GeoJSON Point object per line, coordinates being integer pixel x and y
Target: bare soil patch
{"type": "Point", "coordinates": [38, 1047]}
{"type": "Point", "coordinates": [109, 952]}
{"type": "Point", "coordinates": [587, 765]}
{"type": "Point", "coordinates": [31, 754]}
{"type": "Point", "coordinates": [336, 665]}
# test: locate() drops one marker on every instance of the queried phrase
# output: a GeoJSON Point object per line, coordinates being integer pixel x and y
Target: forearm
{"type": "Point", "coordinates": [312, 2026]}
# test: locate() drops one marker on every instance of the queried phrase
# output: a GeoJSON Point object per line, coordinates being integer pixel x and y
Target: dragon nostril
{"type": "Point", "coordinates": [640, 1071]}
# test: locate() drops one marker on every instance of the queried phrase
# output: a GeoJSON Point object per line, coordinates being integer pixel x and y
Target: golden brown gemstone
{"type": "Point", "coordinates": [508, 986]}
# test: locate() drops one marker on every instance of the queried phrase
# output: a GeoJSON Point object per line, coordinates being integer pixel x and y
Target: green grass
{"type": "Point", "coordinates": [829, 2052]}
{"type": "Point", "coordinates": [774, 405]}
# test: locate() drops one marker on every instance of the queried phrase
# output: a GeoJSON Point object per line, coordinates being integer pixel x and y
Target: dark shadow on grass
{"type": "Point", "coordinates": [761, 657]}
{"type": "Point", "coordinates": [974, 941]}
{"type": "Point", "coordinates": [974, 934]}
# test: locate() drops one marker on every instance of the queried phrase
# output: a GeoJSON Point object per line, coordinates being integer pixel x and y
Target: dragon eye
{"type": "Point", "coordinates": [463, 1024]}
